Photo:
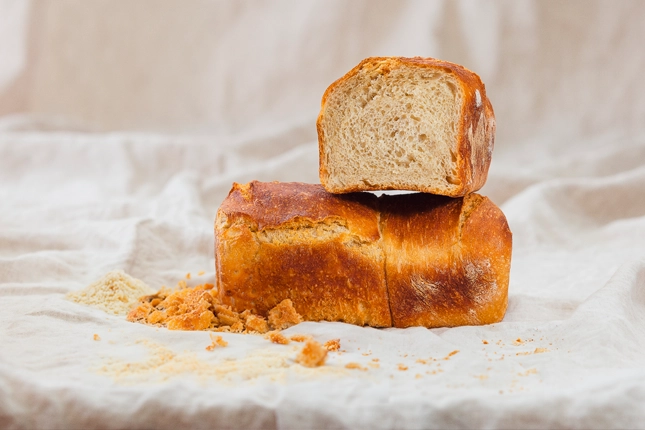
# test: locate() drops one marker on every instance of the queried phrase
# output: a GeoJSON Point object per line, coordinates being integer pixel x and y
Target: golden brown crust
{"type": "Point", "coordinates": [476, 135]}
{"type": "Point", "coordinates": [446, 261]}
{"type": "Point", "coordinates": [277, 241]}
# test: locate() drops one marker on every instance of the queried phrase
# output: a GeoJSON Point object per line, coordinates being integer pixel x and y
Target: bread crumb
{"type": "Point", "coordinates": [215, 342]}
{"type": "Point", "coordinates": [313, 354]}
{"type": "Point", "coordinates": [374, 365]}
{"type": "Point", "coordinates": [257, 324]}
{"type": "Point", "coordinates": [198, 308]}
{"type": "Point", "coordinates": [188, 275]}
{"type": "Point", "coordinates": [402, 366]}
{"type": "Point", "coordinates": [540, 350]}
{"type": "Point", "coordinates": [238, 327]}
{"type": "Point", "coordinates": [518, 341]}
{"type": "Point", "coordinates": [418, 376]}
{"type": "Point", "coordinates": [300, 338]}
{"type": "Point", "coordinates": [375, 359]}
{"type": "Point", "coordinates": [485, 342]}
{"type": "Point", "coordinates": [531, 371]}
{"type": "Point", "coordinates": [96, 337]}
{"type": "Point", "coordinates": [284, 315]}
{"type": "Point", "coordinates": [332, 345]}
{"type": "Point", "coordinates": [447, 357]}
{"type": "Point", "coordinates": [276, 337]}
{"type": "Point", "coordinates": [354, 365]}
{"type": "Point", "coordinates": [115, 293]}
{"type": "Point", "coordinates": [421, 361]}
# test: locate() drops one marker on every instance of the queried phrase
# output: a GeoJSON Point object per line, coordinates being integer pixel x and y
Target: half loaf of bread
{"type": "Point", "coordinates": [389, 261]}
{"type": "Point", "coordinates": [416, 124]}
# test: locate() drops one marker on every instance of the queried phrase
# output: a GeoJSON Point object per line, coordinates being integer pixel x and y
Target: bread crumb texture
{"type": "Point", "coordinates": [300, 337]}
{"type": "Point", "coordinates": [199, 308]}
{"type": "Point", "coordinates": [277, 337]}
{"type": "Point", "coordinates": [396, 123]}
{"type": "Point", "coordinates": [115, 293]}
{"type": "Point", "coordinates": [284, 315]}
{"type": "Point", "coordinates": [355, 366]}
{"type": "Point", "coordinates": [162, 364]}
{"type": "Point", "coordinates": [313, 354]}
{"type": "Point", "coordinates": [215, 342]}
{"type": "Point", "coordinates": [332, 345]}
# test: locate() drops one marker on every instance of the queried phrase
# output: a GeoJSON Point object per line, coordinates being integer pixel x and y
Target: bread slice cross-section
{"type": "Point", "coordinates": [417, 124]}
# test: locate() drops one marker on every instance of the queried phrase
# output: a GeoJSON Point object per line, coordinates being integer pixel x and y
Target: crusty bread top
{"type": "Point", "coordinates": [449, 158]}
{"type": "Point", "coordinates": [271, 205]}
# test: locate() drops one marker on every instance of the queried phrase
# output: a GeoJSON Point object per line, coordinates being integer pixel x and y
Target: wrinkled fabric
{"type": "Point", "coordinates": [120, 137]}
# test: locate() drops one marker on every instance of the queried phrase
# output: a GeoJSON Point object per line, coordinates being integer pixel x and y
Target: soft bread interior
{"type": "Point", "coordinates": [399, 125]}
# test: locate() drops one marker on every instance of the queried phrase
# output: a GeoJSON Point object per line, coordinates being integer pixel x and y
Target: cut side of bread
{"type": "Point", "coordinates": [390, 261]}
{"type": "Point", "coordinates": [415, 124]}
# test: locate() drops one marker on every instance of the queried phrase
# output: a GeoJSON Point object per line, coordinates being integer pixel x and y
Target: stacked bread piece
{"type": "Point", "coordinates": [436, 257]}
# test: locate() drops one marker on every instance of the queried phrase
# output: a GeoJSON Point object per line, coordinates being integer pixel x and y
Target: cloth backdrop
{"type": "Point", "coordinates": [123, 125]}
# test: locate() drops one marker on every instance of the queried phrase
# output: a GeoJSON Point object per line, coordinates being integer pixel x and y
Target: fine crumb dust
{"type": "Point", "coordinates": [313, 354]}
{"type": "Point", "coordinates": [354, 365]}
{"type": "Point", "coordinates": [162, 364]}
{"type": "Point", "coordinates": [300, 337]}
{"type": "Point", "coordinates": [115, 293]}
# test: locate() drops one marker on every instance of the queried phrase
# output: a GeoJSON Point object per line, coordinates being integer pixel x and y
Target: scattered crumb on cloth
{"type": "Point", "coordinates": [199, 308]}
{"type": "Point", "coordinates": [162, 364]}
{"type": "Point", "coordinates": [215, 342]}
{"type": "Point", "coordinates": [313, 354]}
{"type": "Point", "coordinates": [276, 337]}
{"type": "Point", "coordinates": [284, 315]}
{"type": "Point", "coordinates": [354, 365]}
{"type": "Point", "coordinates": [115, 293]}
{"type": "Point", "coordinates": [332, 345]}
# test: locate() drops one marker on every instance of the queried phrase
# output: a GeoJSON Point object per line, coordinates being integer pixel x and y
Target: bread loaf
{"type": "Point", "coordinates": [400, 261]}
{"type": "Point", "coordinates": [277, 241]}
{"type": "Point", "coordinates": [416, 124]}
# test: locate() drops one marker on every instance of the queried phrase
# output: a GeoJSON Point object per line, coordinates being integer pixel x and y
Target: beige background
{"type": "Point", "coordinates": [124, 123]}
{"type": "Point", "coordinates": [552, 68]}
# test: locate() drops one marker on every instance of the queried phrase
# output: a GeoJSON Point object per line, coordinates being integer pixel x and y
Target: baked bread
{"type": "Point", "coordinates": [276, 241]}
{"type": "Point", "coordinates": [400, 261]}
{"type": "Point", "coordinates": [416, 124]}
{"type": "Point", "coordinates": [447, 259]}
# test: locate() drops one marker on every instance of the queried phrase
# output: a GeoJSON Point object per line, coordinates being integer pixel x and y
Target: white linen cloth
{"type": "Point", "coordinates": [78, 198]}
